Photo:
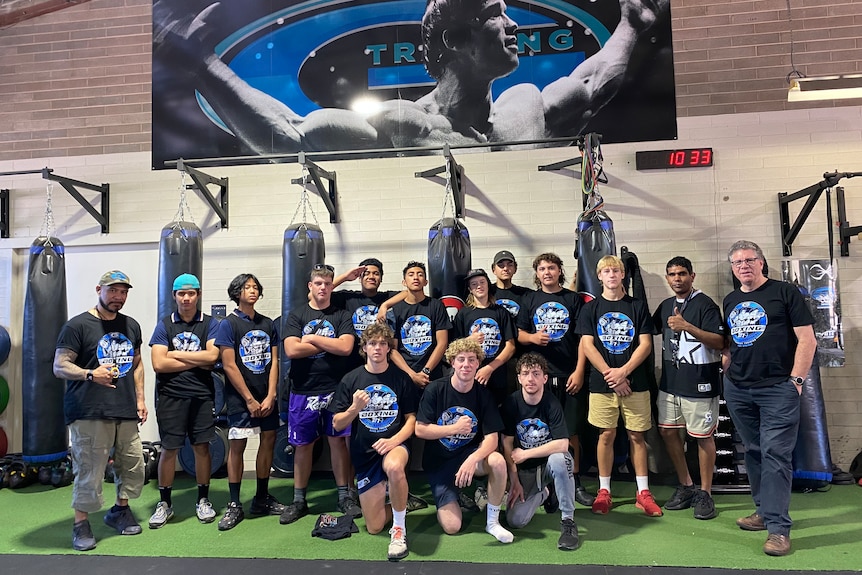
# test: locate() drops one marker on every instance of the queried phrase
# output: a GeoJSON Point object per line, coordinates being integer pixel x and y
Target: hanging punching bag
{"type": "Point", "coordinates": [449, 260]}
{"type": "Point", "coordinates": [45, 312]}
{"type": "Point", "coordinates": [812, 460]}
{"type": "Point", "coordinates": [595, 240]}
{"type": "Point", "coordinates": [303, 248]}
{"type": "Point", "coordinates": [181, 251]}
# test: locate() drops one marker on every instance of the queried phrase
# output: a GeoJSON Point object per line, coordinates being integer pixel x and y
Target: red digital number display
{"type": "Point", "coordinates": [665, 159]}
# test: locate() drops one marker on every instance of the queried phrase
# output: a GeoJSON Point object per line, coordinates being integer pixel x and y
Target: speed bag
{"type": "Point", "coordinates": [181, 251]}
{"type": "Point", "coordinates": [449, 261]}
{"type": "Point", "coordinates": [594, 240]}
{"type": "Point", "coordinates": [45, 313]}
{"type": "Point", "coordinates": [812, 459]}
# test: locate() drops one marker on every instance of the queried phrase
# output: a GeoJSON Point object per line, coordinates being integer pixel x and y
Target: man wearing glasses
{"type": "Point", "coordinates": [692, 339]}
{"type": "Point", "coordinates": [318, 338]}
{"type": "Point", "coordinates": [770, 351]}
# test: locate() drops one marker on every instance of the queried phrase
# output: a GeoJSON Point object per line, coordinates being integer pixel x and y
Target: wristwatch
{"type": "Point", "coordinates": [426, 371]}
{"type": "Point", "coordinates": [797, 380]}
{"type": "Point", "coordinates": [89, 376]}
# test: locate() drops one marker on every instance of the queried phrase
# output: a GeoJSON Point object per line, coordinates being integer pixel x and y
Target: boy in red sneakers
{"type": "Point", "coordinates": [616, 339]}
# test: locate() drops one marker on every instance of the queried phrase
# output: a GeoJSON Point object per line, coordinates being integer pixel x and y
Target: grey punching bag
{"type": "Point", "coordinates": [45, 313]}
{"type": "Point", "coordinates": [181, 251]}
{"type": "Point", "coordinates": [303, 248]}
{"type": "Point", "coordinates": [449, 261]}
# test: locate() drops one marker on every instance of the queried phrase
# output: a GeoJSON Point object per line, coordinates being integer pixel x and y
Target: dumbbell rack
{"type": "Point", "coordinates": [730, 475]}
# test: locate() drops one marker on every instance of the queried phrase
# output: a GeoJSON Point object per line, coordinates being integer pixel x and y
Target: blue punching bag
{"type": "Point", "coordinates": [181, 251]}
{"type": "Point", "coordinates": [303, 248]}
{"type": "Point", "coordinates": [449, 261]}
{"type": "Point", "coordinates": [45, 313]}
{"type": "Point", "coordinates": [595, 240]}
{"type": "Point", "coordinates": [812, 459]}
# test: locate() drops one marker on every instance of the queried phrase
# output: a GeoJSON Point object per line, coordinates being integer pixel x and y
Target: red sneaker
{"type": "Point", "coordinates": [603, 502]}
{"type": "Point", "coordinates": [646, 502]}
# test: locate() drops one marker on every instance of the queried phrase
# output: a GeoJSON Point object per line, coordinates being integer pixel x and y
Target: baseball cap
{"type": "Point", "coordinates": [474, 274]}
{"type": "Point", "coordinates": [187, 281]}
{"type": "Point", "coordinates": [504, 255]}
{"type": "Point", "coordinates": [114, 277]}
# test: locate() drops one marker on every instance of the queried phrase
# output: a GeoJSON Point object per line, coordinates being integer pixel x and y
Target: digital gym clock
{"type": "Point", "coordinates": [667, 159]}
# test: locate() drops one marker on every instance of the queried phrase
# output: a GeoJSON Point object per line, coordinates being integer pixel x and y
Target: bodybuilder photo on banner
{"type": "Point", "coordinates": [248, 77]}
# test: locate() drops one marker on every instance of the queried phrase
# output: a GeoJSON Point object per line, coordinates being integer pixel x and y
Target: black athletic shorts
{"type": "Point", "coordinates": [179, 417]}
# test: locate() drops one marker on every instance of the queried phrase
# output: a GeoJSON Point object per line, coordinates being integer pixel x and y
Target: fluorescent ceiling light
{"type": "Point", "coordinates": [825, 88]}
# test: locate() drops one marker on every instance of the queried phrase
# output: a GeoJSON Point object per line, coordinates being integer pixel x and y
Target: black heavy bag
{"type": "Point", "coordinates": [449, 260]}
{"type": "Point", "coordinates": [303, 249]}
{"type": "Point", "coordinates": [812, 460]}
{"type": "Point", "coordinates": [594, 240]}
{"type": "Point", "coordinates": [181, 251]}
{"type": "Point", "coordinates": [45, 312]}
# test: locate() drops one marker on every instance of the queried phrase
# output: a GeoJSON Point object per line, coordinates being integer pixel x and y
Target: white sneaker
{"type": "Point", "coordinates": [204, 510]}
{"type": "Point", "coordinates": [397, 544]}
{"type": "Point", "coordinates": [481, 498]}
{"type": "Point", "coordinates": [161, 515]}
{"type": "Point", "coordinates": [500, 533]}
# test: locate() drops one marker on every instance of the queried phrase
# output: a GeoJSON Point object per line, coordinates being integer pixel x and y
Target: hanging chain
{"type": "Point", "coordinates": [591, 172]}
{"type": "Point", "coordinates": [448, 194]}
{"type": "Point", "coordinates": [304, 202]}
{"type": "Point", "coordinates": [48, 222]}
{"type": "Point", "coordinates": [183, 209]}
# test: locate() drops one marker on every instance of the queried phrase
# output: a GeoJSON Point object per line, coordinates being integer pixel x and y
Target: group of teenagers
{"type": "Point", "coordinates": [503, 391]}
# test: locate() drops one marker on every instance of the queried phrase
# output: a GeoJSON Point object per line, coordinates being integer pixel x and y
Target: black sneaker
{"type": "Point", "coordinates": [268, 506]}
{"type": "Point", "coordinates": [552, 504]}
{"type": "Point", "coordinates": [682, 498]}
{"type": "Point", "coordinates": [123, 521]}
{"type": "Point", "coordinates": [466, 502]}
{"type": "Point", "coordinates": [415, 503]}
{"type": "Point", "coordinates": [294, 511]}
{"type": "Point", "coordinates": [704, 506]}
{"type": "Point", "coordinates": [349, 507]}
{"type": "Point", "coordinates": [569, 540]}
{"type": "Point", "coordinates": [233, 515]}
{"type": "Point", "coordinates": [82, 536]}
{"type": "Point", "coordinates": [583, 496]}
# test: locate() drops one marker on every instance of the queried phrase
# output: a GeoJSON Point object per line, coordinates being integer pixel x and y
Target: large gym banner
{"type": "Point", "coordinates": [359, 78]}
{"type": "Point", "coordinates": [817, 280]}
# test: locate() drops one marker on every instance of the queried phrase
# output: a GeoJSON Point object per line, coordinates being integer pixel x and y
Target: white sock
{"type": "Point", "coordinates": [605, 483]}
{"type": "Point", "coordinates": [398, 518]}
{"type": "Point", "coordinates": [643, 482]}
{"type": "Point", "coordinates": [492, 514]}
{"type": "Point", "coordinates": [499, 532]}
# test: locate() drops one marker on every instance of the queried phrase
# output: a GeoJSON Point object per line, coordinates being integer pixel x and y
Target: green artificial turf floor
{"type": "Point", "coordinates": [827, 532]}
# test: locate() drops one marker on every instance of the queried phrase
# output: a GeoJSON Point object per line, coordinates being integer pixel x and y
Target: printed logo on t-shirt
{"type": "Point", "coordinates": [255, 350]}
{"type": "Point", "coordinates": [511, 306]}
{"type": "Point", "coordinates": [320, 327]}
{"type": "Point", "coordinates": [364, 316]}
{"type": "Point", "coordinates": [552, 317]}
{"type": "Point", "coordinates": [186, 341]}
{"type": "Point", "coordinates": [747, 322]}
{"type": "Point", "coordinates": [532, 432]}
{"type": "Point", "coordinates": [416, 334]}
{"type": "Point", "coordinates": [115, 348]}
{"type": "Point", "coordinates": [382, 408]}
{"type": "Point", "coordinates": [616, 331]}
{"type": "Point", "coordinates": [491, 330]}
{"type": "Point", "coordinates": [449, 417]}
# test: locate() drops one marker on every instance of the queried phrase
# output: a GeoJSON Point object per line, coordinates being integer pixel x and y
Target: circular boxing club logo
{"type": "Point", "coordinates": [416, 336]}
{"type": "Point", "coordinates": [616, 331]}
{"type": "Point", "coordinates": [533, 432]}
{"type": "Point", "coordinates": [553, 318]}
{"type": "Point", "coordinates": [747, 322]}
{"type": "Point", "coordinates": [186, 341]}
{"type": "Point", "coordinates": [382, 408]}
{"type": "Point", "coordinates": [510, 305]}
{"type": "Point", "coordinates": [449, 417]}
{"type": "Point", "coordinates": [117, 349]}
{"type": "Point", "coordinates": [321, 327]}
{"type": "Point", "coordinates": [255, 350]}
{"type": "Point", "coordinates": [489, 328]}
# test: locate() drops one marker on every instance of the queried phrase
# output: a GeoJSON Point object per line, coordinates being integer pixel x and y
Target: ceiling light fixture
{"type": "Point", "coordinates": [825, 88]}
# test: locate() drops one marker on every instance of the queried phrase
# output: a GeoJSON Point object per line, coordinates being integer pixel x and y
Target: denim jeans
{"type": "Point", "coordinates": [767, 419]}
{"type": "Point", "coordinates": [558, 470]}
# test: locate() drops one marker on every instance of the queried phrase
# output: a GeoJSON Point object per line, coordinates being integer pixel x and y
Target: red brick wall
{"type": "Point", "coordinates": [77, 81]}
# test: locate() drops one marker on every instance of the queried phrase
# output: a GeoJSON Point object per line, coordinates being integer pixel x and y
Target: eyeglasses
{"type": "Point", "coordinates": [320, 267]}
{"type": "Point", "coordinates": [747, 261]}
